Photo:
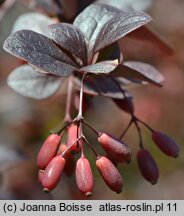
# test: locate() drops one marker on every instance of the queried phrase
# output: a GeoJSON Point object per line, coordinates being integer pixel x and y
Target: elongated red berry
{"type": "Point", "coordinates": [165, 144]}
{"type": "Point", "coordinates": [53, 173]}
{"type": "Point", "coordinates": [110, 174]}
{"type": "Point", "coordinates": [125, 104]}
{"type": "Point", "coordinates": [115, 148]}
{"type": "Point", "coordinates": [48, 150]}
{"type": "Point", "coordinates": [84, 176]}
{"type": "Point", "coordinates": [72, 138]}
{"type": "Point", "coordinates": [147, 166]}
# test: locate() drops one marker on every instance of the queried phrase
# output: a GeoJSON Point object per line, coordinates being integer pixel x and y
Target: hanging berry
{"type": "Point", "coordinates": [147, 166]}
{"type": "Point", "coordinates": [48, 150]}
{"type": "Point", "coordinates": [84, 176]}
{"type": "Point", "coordinates": [165, 144]}
{"type": "Point", "coordinates": [53, 173]}
{"type": "Point", "coordinates": [110, 174]}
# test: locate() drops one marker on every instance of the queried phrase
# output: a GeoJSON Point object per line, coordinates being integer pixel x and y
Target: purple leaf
{"type": "Point", "coordinates": [118, 27]}
{"type": "Point", "coordinates": [28, 82]}
{"type": "Point", "coordinates": [39, 51]}
{"type": "Point", "coordinates": [138, 71]}
{"type": "Point", "coordinates": [102, 67]}
{"type": "Point", "coordinates": [146, 69]}
{"type": "Point", "coordinates": [69, 38]}
{"type": "Point", "coordinates": [92, 19]}
{"type": "Point", "coordinates": [102, 86]}
{"type": "Point", "coordinates": [129, 83]}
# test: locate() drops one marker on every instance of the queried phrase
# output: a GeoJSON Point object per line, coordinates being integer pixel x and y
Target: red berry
{"type": "Point", "coordinates": [48, 150]}
{"type": "Point", "coordinates": [84, 176]}
{"type": "Point", "coordinates": [110, 174]}
{"type": "Point", "coordinates": [72, 138]}
{"type": "Point", "coordinates": [53, 173]}
{"type": "Point", "coordinates": [125, 104]}
{"type": "Point", "coordinates": [115, 148]}
{"type": "Point", "coordinates": [165, 144]}
{"type": "Point", "coordinates": [147, 166]}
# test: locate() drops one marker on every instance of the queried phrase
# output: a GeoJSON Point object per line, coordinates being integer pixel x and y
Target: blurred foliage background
{"type": "Point", "coordinates": [25, 123]}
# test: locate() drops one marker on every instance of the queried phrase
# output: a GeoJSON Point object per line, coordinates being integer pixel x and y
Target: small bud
{"type": "Point", "coordinates": [53, 173]}
{"type": "Point", "coordinates": [84, 176]}
{"type": "Point", "coordinates": [125, 104]}
{"type": "Point", "coordinates": [48, 150]}
{"type": "Point", "coordinates": [165, 144]}
{"type": "Point", "coordinates": [110, 174]}
{"type": "Point", "coordinates": [72, 138]}
{"type": "Point", "coordinates": [147, 166]}
{"type": "Point", "coordinates": [115, 148]}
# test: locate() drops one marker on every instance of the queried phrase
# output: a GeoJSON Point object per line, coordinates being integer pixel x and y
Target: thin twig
{"type": "Point", "coordinates": [140, 135]}
{"type": "Point", "coordinates": [91, 147]}
{"type": "Point", "coordinates": [63, 154]}
{"type": "Point", "coordinates": [89, 126]}
{"type": "Point", "coordinates": [63, 128]}
{"type": "Point", "coordinates": [81, 143]}
{"type": "Point", "coordinates": [146, 125]}
{"type": "Point", "coordinates": [126, 129]}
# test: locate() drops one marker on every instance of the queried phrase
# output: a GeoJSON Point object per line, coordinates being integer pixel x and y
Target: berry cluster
{"type": "Point", "coordinates": [55, 157]}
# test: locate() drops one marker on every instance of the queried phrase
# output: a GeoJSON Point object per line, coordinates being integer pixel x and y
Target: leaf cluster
{"type": "Point", "coordinates": [74, 49]}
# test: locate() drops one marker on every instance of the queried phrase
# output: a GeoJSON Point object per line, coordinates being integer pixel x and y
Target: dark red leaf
{"type": "Point", "coordinates": [39, 51]}
{"type": "Point", "coordinates": [69, 38]}
{"type": "Point", "coordinates": [138, 71]}
{"type": "Point", "coordinates": [92, 20]}
{"type": "Point", "coordinates": [119, 26]}
{"type": "Point", "coordinates": [100, 67]}
{"type": "Point", "coordinates": [126, 105]}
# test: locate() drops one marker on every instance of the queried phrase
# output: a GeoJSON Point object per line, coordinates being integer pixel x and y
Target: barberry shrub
{"type": "Point", "coordinates": [79, 52]}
